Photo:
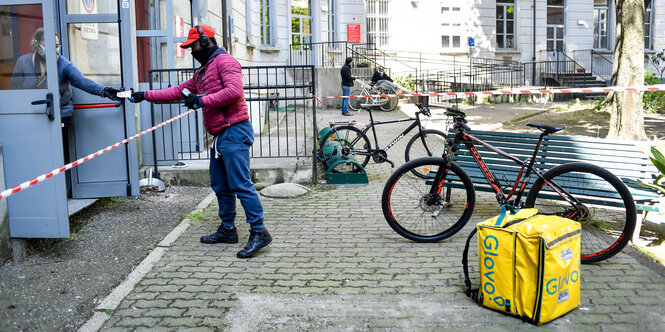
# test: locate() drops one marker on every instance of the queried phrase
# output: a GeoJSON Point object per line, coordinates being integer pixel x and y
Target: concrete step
{"type": "Point", "coordinates": [262, 170]}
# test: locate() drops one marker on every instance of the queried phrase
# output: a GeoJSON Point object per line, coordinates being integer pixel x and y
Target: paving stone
{"type": "Point", "coordinates": [336, 265]}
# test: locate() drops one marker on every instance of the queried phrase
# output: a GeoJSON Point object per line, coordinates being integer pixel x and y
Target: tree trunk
{"type": "Point", "coordinates": [627, 115]}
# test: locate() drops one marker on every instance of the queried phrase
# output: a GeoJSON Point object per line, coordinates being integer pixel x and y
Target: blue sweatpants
{"type": "Point", "coordinates": [229, 176]}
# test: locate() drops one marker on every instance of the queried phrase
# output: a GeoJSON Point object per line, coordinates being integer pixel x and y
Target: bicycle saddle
{"type": "Point", "coordinates": [546, 128]}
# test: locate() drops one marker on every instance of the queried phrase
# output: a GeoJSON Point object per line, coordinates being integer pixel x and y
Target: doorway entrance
{"type": "Point", "coordinates": [556, 28]}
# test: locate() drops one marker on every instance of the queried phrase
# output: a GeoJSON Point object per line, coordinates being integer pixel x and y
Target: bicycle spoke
{"type": "Point", "coordinates": [417, 215]}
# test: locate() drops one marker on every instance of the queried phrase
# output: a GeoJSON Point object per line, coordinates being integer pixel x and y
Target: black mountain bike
{"type": "Point", "coordinates": [436, 207]}
{"type": "Point", "coordinates": [354, 140]}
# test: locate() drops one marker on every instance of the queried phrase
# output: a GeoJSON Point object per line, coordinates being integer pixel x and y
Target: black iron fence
{"type": "Point", "coordinates": [281, 108]}
{"type": "Point", "coordinates": [329, 54]}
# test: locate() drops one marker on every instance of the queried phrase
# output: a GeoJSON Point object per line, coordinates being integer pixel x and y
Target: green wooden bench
{"type": "Point", "coordinates": [622, 158]}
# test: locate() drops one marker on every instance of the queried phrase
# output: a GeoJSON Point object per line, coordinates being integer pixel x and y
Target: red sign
{"type": "Point", "coordinates": [353, 33]}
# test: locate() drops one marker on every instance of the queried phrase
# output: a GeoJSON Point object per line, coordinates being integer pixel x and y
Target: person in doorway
{"type": "Point", "coordinates": [347, 83]}
{"type": "Point", "coordinates": [217, 88]}
{"type": "Point", "coordinates": [30, 73]}
{"type": "Point", "coordinates": [380, 75]}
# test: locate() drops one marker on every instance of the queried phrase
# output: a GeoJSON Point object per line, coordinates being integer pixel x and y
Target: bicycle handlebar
{"type": "Point", "coordinates": [423, 109]}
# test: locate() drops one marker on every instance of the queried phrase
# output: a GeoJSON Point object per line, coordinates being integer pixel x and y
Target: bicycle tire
{"type": "Point", "coordinates": [419, 223]}
{"type": "Point", "coordinates": [391, 102]}
{"type": "Point", "coordinates": [354, 103]}
{"type": "Point", "coordinates": [596, 244]}
{"type": "Point", "coordinates": [435, 141]}
{"type": "Point", "coordinates": [347, 145]}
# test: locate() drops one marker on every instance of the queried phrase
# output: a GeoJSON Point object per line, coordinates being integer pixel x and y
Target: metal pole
{"type": "Point", "coordinates": [315, 131]}
{"type": "Point", "coordinates": [533, 69]}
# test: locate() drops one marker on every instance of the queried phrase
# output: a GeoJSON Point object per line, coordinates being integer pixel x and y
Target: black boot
{"type": "Point", "coordinates": [223, 235]}
{"type": "Point", "coordinates": [257, 240]}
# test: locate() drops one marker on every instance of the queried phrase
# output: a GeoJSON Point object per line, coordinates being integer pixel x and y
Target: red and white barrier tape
{"type": "Point", "coordinates": [656, 87]}
{"type": "Point", "coordinates": [57, 171]}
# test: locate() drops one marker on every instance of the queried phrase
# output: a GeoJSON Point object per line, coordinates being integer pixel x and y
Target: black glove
{"type": "Point", "coordinates": [110, 93]}
{"type": "Point", "coordinates": [137, 97]}
{"type": "Point", "coordinates": [193, 101]}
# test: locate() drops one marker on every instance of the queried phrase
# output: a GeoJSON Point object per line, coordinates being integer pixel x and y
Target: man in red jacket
{"type": "Point", "coordinates": [217, 88]}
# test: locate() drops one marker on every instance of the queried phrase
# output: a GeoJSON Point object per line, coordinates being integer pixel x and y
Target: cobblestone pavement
{"type": "Point", "coordinates": [335, 264]}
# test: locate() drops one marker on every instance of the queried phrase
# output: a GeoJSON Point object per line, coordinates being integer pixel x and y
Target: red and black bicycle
{"type": "Point", "coordinates": [430, 199]}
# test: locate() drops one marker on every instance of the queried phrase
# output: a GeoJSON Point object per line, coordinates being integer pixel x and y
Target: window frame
{"type": "Point", "coordinates": [648, 27]}
{"type": "Point", "coordinates": [332, 20]}
{"type": "Point", "coordinates": [378, 22]}
{"type": "Point", "coordinates": [504, 34]}
{"type": "Point", "coordinates": [598, 37]}
{"type": "Point", "coordinates": [266, 31]}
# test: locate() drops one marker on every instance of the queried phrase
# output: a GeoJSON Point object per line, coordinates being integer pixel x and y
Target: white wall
{"type": "Point", "coordinates": [247, 48]}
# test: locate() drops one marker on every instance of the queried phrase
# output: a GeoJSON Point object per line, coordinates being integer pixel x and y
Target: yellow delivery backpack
{"type": "Point", "coordinates": [529, 265]}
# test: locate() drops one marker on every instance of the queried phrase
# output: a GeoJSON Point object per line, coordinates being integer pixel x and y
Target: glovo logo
{"type": "Point", "coordinates": [555, 285]}
{"type": "Point", "coordinates": [491, 245]}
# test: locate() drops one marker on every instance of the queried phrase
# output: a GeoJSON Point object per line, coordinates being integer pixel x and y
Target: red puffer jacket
{"type": "Point", "coordinates": [221, 81]}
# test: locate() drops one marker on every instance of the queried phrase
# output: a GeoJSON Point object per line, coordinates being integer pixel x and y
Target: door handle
{"type": "Point", "coordinates": [49, 105]}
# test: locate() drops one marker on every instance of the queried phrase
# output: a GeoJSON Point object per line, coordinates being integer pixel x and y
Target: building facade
{"type": "Point", "coordinates": [504, 29]}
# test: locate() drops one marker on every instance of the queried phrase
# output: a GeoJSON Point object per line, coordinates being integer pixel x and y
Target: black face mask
{"type": "Point", "coordinates": [204, 54]}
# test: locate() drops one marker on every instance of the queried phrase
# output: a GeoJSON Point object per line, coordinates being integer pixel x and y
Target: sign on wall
{"type": "Point", "coordinates": [89, 31]}
{"type": "Point", "coordinates": [353, 33]}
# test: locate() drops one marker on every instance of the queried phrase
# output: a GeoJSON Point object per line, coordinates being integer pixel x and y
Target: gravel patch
{"type": "Point", "coordinates": [58, 287]}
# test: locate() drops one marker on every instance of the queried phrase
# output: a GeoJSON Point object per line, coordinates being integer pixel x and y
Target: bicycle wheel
{"type": "Point", "coordinates": [352, 141]}
{"type": "Point", "coordinates": [607, 223]}
{"type": "Point", "coordinates": [435, 141]}
{"type": "Point", "coordinates": [416, 215]}
{"type": "Point", "coordinates": [388, 103]}
{"type": "Point", "coordinates": [354, 103]}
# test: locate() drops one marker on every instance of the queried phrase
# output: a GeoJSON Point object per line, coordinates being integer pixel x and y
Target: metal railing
{"type": "Point", "coordinates": [280, 105]}
{"type": "Point", "coordinates": [327, 54]}
{"type": "Point", "coordinates": [596, 63]}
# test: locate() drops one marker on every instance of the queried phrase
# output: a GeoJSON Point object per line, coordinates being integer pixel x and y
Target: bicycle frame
{"type": "Point", "coordinates": [522, 177]}
{"type": "Point", "coordinates": [416, 123]}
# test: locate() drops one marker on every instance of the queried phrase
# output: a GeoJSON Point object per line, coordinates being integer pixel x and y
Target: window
{"type": "Point", "coordinates": [332, 20]}
{"type": "Point", "coordinates": [456, 41]}
{"type": "Point", "coordinates": [377, 22]}
{"type": "Point", "coordinates": [266, 22]}
{"type": "Point", "coordinates": [445, 41]}
{"type": "Point", "coordinates": [444, 10]}
{"type": "Point", "coordinates": [648, 23]}
{"type": "Point", "coordinates": [600, 10]}
{"type": "Point", "coordinates": [154, 51]}
{"type": "Point", "coordinates": [505, 24]}
{"type": "Point", "coordinates": [301, 23]}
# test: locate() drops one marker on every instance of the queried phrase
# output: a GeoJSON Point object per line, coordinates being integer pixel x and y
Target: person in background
{"type": "Point", "coordinates": [379, 75]}
{"type": "Point", "coordinates": [347, 83]}
{"type": "Point", "coordinates": [30, 73]}
{"type": "Point", "coordinates": [217, 88]}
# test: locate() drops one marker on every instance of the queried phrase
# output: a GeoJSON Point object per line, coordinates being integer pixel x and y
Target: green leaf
{"type": "Point", "coordinates": [657, 188]}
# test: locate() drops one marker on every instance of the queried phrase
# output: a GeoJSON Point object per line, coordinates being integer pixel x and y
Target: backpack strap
{"type": "Point", "coordinates": [473, 293]}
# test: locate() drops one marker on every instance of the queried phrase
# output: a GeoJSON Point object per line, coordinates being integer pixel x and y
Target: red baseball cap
{"type": "Point", "coordinates": [194, 35]}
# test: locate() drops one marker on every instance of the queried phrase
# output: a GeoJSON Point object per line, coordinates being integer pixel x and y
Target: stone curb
{"type": "Point", "coordinates": [111, 302]}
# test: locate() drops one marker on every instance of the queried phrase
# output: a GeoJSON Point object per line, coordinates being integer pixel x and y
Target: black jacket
{"type": "Point", "coordinates": [377, 77]}
{"type": "Point", "coordinates": [347, 79]}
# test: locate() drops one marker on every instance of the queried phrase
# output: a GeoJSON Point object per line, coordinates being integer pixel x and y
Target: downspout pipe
{"type": "Point", "coordinates": [225, 24]}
